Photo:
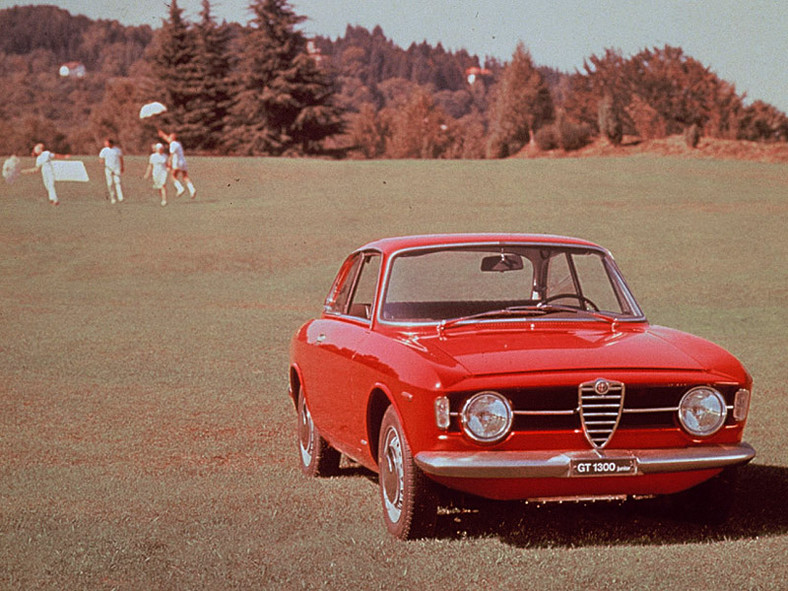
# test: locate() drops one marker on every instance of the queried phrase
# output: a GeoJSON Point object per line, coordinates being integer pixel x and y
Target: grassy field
{"type": "Point", "coordinates": [146, 437]}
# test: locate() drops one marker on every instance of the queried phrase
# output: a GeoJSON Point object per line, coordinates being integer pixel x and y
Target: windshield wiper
{"type": "Point", "coordinates": [510, 311]}
{"type": "Point", "coordinates": [550, 308]}
{"type": "Point", "coordinates": [535, 310]}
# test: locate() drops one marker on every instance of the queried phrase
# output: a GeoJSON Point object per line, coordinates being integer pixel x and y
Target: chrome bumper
{"type": "Point", "coordinates": [551, 464]}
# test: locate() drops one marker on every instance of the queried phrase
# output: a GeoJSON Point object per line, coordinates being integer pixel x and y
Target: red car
{"type": "Point", "coordinates": [511, 367]}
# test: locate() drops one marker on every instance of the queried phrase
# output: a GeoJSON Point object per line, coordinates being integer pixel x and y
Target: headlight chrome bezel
{"type": "Point", "coordinates": [696, 412]}
{"type": "Point", "coordinates": [472, 421]}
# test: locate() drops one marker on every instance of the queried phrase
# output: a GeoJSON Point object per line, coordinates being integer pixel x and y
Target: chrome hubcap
{"type": "Point", "coordinates": [392, 476]}
{"type": "Point", "coordinates": [306, 432]}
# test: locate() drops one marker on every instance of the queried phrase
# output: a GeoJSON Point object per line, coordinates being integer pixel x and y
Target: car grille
{"type": "Point", "coordinates": [645, 406]}
{"type": "Point", "coordinates": [600, 405]}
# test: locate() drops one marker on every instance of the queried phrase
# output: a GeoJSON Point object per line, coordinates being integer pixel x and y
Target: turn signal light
{"type": "Point", "coordinates": [442, 417]}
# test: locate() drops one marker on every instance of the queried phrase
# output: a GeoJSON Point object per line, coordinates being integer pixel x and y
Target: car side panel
{"type": "Point", "coordinates": [324, 351]}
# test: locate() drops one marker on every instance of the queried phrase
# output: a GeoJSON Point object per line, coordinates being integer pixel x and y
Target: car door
{"type": "Point", "coordinates": [337, 339]}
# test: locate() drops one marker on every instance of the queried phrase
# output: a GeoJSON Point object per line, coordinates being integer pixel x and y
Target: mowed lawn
{"type": "Point", "coordinates": [147, 440]}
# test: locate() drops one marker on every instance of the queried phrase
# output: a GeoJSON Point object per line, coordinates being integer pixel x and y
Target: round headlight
{"type": "Point", "coordinates": [487, 417]}
{"type": "Point", "coordinates": [702, 411]}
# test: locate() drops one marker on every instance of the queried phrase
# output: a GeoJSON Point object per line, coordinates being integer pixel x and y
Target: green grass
{"type": "Point", "coordinates": [147, 440]}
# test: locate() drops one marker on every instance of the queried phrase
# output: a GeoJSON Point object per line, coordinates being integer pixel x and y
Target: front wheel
{"type": "Point", "coordinates": [318, 458]}
{"type": "Point", "coordinates": [409, 499]}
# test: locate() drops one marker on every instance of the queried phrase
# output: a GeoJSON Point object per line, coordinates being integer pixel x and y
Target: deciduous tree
{"type": "Point", "coordinates": [521, 104]}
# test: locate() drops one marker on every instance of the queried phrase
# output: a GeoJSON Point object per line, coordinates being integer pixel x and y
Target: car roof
{"type": "Point", "coordinates": [395, 244]}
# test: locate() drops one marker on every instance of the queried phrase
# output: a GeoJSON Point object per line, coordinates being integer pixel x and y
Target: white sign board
{"type": "Point", "coordinates": [70, 170]}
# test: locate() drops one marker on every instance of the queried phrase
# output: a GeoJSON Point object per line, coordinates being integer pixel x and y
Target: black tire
{"type": "Point", "coordinates": [709, 503]}
{"type": "Point", "coordinates": [317, 457]}
{"type": "Point", "coordinates": [409, 499]}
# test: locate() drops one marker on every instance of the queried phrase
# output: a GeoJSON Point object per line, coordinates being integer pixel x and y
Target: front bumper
{"type": "Point", "coordinates": [552, 464]}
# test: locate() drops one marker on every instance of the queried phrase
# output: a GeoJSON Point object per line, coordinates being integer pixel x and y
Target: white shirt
{"type": "Point", "coordinates": [44, 162]}
{"type": "Point", "coordinates": [111, 157]}
{"type": "Point", "coordinates": [178, 158]}
{"type": "Point", "coordinates": [159, 169]}
{"type": "Point", "coordinates": [159, 163]}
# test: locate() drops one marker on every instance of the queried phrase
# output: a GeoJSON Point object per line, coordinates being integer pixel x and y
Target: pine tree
{"type": "Point", "coordinates": [211, 100]}
{"type": "Point", "coordinates": [173, 63]}
{"type": "Point", "coordinates": [284, 102]}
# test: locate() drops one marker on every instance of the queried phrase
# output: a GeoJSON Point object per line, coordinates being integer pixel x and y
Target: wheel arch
{"type": "Point", "coordinates": [295, 383]}
{"type": "Point", "coordinates": [377, 404]}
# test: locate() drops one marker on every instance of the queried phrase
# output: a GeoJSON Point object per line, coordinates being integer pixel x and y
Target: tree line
{"type": "Point", "coordinates": [264, 88]}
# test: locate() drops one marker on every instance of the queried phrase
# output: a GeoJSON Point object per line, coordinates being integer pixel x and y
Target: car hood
{"type": "Point", "coordinates": [489, 352]}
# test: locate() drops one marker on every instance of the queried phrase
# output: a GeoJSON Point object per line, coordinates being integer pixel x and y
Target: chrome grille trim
{"type": "Point", "coordinates": [601, 403]}
{"type": "Point", "coordinates": [545, 413]}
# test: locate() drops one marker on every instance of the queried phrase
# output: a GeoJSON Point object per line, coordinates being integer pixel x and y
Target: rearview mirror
{"type": "Point", "coordinates": [502, 262]}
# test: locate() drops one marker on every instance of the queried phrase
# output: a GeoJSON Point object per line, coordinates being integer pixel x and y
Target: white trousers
{"type": "Point", "coordinates": [49, 183]}
{"type": "Point", "coordinates": [113, 185]}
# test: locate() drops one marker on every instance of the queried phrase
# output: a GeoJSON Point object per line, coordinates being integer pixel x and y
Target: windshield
{"type": "Point", "coordinates": [450, 283]}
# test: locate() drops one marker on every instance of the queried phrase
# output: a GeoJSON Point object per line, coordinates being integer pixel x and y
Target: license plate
{"type": "Point", "coordinates": [603, 467]}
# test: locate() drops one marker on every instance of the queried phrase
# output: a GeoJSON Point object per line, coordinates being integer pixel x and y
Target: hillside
{"type": "Point", "coordinates": [385, 101]}
{"type": "Point", "coordinates": [674, 146]}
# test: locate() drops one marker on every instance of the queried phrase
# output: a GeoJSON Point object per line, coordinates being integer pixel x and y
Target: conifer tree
{"type": "Point", "coordinates": [172, 57]}
{"type": "Point", "coordinates": [210, 103]}
{"type": "Point", "coordinates": [284, 102]}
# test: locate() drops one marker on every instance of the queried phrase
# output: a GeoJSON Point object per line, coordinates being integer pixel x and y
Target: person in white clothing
{"type": "Point", "coordinates": [180, 170]}
{"type": "Point", "coordinates": [158, 165]}
{"type": "Point", "coordinates": [112, 158]}
{"type": "Point", "coordinates": [44, 160]}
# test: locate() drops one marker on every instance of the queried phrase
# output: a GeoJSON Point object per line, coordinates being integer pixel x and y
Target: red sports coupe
{"type": "Point", "coordinates": [511, 366]}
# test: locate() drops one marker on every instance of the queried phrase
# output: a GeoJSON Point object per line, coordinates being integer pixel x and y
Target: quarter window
{"type": "Point", "coordinates": [337, 299]}
{"type": "Point", "coordinates": [366, 287]}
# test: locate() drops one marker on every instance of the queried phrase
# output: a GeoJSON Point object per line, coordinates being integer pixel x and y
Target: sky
{"type": "Point", "coordinates": [743, 41]}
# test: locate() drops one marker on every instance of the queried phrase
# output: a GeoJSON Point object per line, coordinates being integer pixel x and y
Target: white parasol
{"type": "Point", "coordinates": [152, 109]}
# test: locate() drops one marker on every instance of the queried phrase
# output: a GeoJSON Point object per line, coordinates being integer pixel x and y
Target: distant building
{"type": "Point", "coordinates": [314, 51]}
{"type": "Point", "coordinates": [474, 75]}
{"type": "Point", "coordinates": [73, 70]}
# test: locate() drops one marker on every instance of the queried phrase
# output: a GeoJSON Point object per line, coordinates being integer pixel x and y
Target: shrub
{"type": "Point", "coordinates": [547, 138]}
{"type": "Point", "coordinates": [573, 136]}
{"type": "Point", "coordinates": [563, 134]}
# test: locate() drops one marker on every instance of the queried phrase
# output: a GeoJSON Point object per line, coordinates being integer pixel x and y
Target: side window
{"type": "Point", "coordinates": [336, 302]}
{"type": "Point", "coordinates": [366, 287]}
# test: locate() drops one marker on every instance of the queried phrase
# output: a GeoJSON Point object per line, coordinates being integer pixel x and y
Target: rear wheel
{"type": "Point", "coordinates": [317, 457]}
{"type": "Point", "coordinates": [409, 499]}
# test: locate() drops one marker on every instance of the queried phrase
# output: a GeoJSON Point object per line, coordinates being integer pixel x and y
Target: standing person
{"type": "Point", "coordinates": [158, 163]}
{"type": "Point", "coordinates": [112, 158]}
{"type": "Point", "coordinates": [44, 160]}
{"type": "Point", "coordinates": [180, 171]}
